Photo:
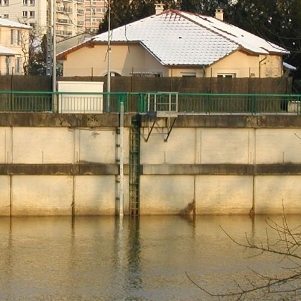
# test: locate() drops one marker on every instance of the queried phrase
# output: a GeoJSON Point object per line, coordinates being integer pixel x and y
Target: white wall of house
{"type": "Point", "coordinates": [124, 59]}
{"type": "Point", "coordinates": [16, 39]}
{"type": "Point", "coordinates": [237, 64]}
{"type": "Point", "coordinates": [133, 58]}
{"type": "Point", "coordinates": [7, 64]}
{"type": "Point", "coordinates": [242, 64]}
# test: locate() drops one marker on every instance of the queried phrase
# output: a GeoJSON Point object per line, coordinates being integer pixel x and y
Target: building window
{"type": "Point", "coordinates": [5, 16]}
{"type": "Point", "coordinates": [12, 36]}
{"type": "Point", "coordinates": [18, 65]}
{"type": "Point", "coordinates": [7, 62]}
{"type": "Point", "coordinates": [32, 2]}
{"type": "Point", "coordinates": [188, 74]}
{"type": "Point", "coordinates": [6, 2]}
{"type": "Point", "coordinates": [19, 37]}
{"type": "Point", "coordinates": [227, 75]}
{"type": "Point", "coordinates": [25, 2]}
{"type": "Point", "coordinates": [25, 14]}
{"type": "Point", "coordinates": [32, 14]}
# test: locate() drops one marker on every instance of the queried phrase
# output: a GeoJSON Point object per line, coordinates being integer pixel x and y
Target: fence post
{"type": "Point", "coordinates": [55, 102]}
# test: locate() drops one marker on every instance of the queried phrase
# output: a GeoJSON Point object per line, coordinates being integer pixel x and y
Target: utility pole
{"type": "Point", "coordinates": [51, 50]}
{"type": "Point", "coordinates": [108, 57]}
{"type": "Point", "coordinates": [54, 45]}
{"type": "Point", "coordinates": [49, 40]}
{"type": "Point", "coordinates": [51, 44]}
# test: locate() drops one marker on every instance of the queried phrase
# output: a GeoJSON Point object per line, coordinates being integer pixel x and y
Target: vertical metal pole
{"type": "Point", "coordinates": [121, 159]}
{"type": "Point", "coordinates": [54, 45]}
{"type": "Point", "coordinates": [49, 39]}
{"type": "Point", "coordinates": [108, 57]}
{"type": "Point", "coordinates": [53, 35]}
{"type": "Point", "coordinates": [91, 10]}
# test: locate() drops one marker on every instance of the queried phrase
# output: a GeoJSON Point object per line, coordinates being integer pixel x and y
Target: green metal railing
{"type": "Point", "coordinates": [143, 102]}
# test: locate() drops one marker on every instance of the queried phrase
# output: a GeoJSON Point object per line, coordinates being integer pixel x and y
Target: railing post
{"type": "Point", "coordinates": [11, 102]}
{"type": "Point", "coordinates": [55, 105]}
{"type": "Point", "coordinates": [108, 102]}
{"type": "Point", "coordinates": [255, 109]}
{"type": "Point", "coordinates": [142, 103]}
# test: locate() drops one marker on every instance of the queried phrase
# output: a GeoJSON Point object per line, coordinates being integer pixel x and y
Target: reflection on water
{"type": "Point", "coordinates": [103, 258]}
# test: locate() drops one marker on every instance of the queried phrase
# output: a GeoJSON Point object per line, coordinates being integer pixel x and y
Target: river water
{"type": "Point", "coordinates": [150, 258]}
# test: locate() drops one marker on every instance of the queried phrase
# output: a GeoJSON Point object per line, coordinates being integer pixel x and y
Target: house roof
{"type": "Point", "coordinates": [9, 23]}
{"type": "Point", "coordinates": [7, 51]}
{"type": "Point", "coordinates": [182, 38]}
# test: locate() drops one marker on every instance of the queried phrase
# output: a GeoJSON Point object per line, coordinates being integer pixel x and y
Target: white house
{"type": "Point", "coordinates": [175, 43]}
{"type": "Point", "coordinates": [14, 46]}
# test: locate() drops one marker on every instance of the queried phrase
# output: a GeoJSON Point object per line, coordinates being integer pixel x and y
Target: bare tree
{"type": "Point", "coordinates": [286, 286]}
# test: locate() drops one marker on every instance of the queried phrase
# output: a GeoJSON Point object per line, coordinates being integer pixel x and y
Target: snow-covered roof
{"type": "Point", "coordinates": [9, 23]}
{"type": "Point", "coordinates": [289, 67]}
{"type": "Point", "coordinates": [7, 51]}
{"type": "Point", "coordinates": [181, 38]}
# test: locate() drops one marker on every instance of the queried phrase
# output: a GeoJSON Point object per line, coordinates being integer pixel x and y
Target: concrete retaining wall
{"type": "Point", "coordinates": [58, 165]}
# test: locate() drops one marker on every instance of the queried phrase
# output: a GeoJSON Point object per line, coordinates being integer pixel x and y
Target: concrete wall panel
{"type": "Point", "coordinates": [95, 195]}
{"type": "Point", "coordinates": [278, 146]}
{"type": "Point", "coordinates": [224, 194]}
{"type": "Point", "coordinates": [42, 195]}
{"type": "Point", "coordinates": [275, 193]}
{"type": "Point", "coordinates": [5, 145]}
{"type": "Point", "coordinates": [180, 148]}
{"type": "Point", "coordinates": [4, 195]}
{"type": "Point", "coordinates": [97, 146]}
{"type": "Point", "coordinates": [43, 145]}
{"type": "Point", "coordinates": [165, 194]}
{"type": "Point", "coordinates": [226, 146]}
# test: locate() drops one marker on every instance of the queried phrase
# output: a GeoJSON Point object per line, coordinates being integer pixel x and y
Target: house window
{"type": "Point", "coordinates": [12, 36]}
{"type": "Point", "coordinates": [6, 2]}
{"type": "Point", "coordinates": [7, 63]}
{"type": "Point", "coordinates": [32, 2]}
{"type": "Point", "coordinates": [25, 14]}
{"type": "Point", "coordinates": [5, 16]}
{"type": "Point", "coordinates": [147, 74]}
{"type": "Point", "coordinates": [32, 14]}
{"type": "Point", "coordinates": [25, 2]}
{"type": "Point", "coordinates": [19, 37]}
{"type": "Point", "coordinates": [227, 75]}
{"type": "Point", "coordinates": [188, 74]}
{"type": "Point", "coordinates": [18, 65]}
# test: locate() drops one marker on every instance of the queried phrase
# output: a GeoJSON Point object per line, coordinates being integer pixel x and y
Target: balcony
{"type": "Point", "coordinates": [64, 33]}
{"type": "Point", "coordinates": [63, 21]}
{"type": "Point", "coordinates": [64, 10]}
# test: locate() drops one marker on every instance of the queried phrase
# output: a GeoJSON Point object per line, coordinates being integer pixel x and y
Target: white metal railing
{"type": "Point", "coordinates": [163, 103]}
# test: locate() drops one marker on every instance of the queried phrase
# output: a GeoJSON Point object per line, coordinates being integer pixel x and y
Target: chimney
{"type": "Point", "coordinates": [219, 14]}
{"type": "Point", "coordinates": [159, 7]}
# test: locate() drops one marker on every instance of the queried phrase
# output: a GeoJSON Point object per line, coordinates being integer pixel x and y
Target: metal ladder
{"type": "Point", "coordinates": [134, 167]}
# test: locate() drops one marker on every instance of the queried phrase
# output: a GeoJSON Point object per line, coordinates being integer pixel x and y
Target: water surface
{"type": "Point", "coordinates": [105, 258]}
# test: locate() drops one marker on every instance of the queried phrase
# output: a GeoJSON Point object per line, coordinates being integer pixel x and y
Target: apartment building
{"type": "Point", "coordinates": [94, 14]}
{"type": "Point", "coordinates": [72, 17]}
{"type": "Point", "coordinates": [30, 12]}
